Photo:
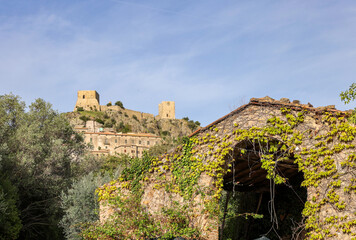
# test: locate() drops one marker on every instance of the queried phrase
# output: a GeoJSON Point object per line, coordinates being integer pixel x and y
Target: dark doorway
{"type": "Point", "coordinates": [253, 206]}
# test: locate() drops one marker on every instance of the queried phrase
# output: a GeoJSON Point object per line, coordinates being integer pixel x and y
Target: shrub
{"type": "Point", "coordinates": [84, 118]}
{"type": "Point", "coordinates": [108, 124]}
{"type": "Point", "coordinates": [109, 104]}
{"type": "Point", "coordinates": [101, 121]}
{"type": "Point", "coordinates": [191, 125]}
{"type": "Point", "coordinates": [119, 103]}
{"type": "Point", "coordinates": [80, 204]}
{"type": "Point", "coordinates": [165, 133]}
{"type": "Point", "coordinates": [124, 128]}
{"type": "Point", "coordinates": [80, 109]}
{"type": "Point", "coordinates": [10, 223]}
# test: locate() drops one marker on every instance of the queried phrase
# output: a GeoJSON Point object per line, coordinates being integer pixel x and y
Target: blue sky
{"type": "Point", "coordinates": [208, 56]}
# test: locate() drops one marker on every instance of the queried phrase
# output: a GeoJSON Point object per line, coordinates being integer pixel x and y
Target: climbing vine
{"type": "Point", "coordinates": [325, 156]}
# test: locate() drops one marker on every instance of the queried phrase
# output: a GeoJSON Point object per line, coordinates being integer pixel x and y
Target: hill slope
{"type": "Point", "coordinates": [119, 121]}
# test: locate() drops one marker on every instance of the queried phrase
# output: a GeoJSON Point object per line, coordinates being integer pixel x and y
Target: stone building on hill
{"type": "Point", "coordinates": [105, 141]}
{"type": "Point", "coordinates": [89, 100]}
{"type": "Point", "coordinates": [144, 127]}
{"type": "Point", "coordinates": [166, 110]}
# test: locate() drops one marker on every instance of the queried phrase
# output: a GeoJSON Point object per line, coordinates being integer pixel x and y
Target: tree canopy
{"type": "Point", "coordinates": [37, 149]}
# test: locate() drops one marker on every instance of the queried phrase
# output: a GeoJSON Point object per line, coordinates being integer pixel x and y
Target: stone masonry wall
{"type": "Point", "coordinates": [256, 115]}
{"type": "Point", "coordinates": [88, 100]}
{"type": "Point", "coordinates": [167, 110]}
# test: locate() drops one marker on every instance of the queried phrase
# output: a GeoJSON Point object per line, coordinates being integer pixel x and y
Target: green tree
{"type": "Point", "coordinates": [48, 145]}
{"type": "Point", "coordinates": [36, 149]}
{"type": "Point", "coordinates": [124, 128]}
{"type": "Point", "coordinates": [11, 113]}
{"type": "Point", "coordinates": [348, 96]}
{"type": "Point", "coordinates": [119, 103]}
{"type": "Point", "coordinates": [10, 223]}
{"type": "Point", "coordinates": [80, 204]}
{"type": "Point", "coordinates": [84, 118]}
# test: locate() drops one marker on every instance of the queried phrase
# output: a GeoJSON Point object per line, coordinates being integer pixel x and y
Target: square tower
{"type": "Point", "coordinates": [88, 100]}
{"type": "Point", "coordinates": [167, 110]}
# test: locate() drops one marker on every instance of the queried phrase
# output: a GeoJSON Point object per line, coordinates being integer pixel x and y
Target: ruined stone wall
{"type": "Point", "coordinates": [128, 112]}
{"type": "Point", "coordinates": [88, 100]}
{"type": "Point", "coordinates": [166, 110]}
{"type": "Point", "coordinates": [328, 194]}
{"type": "Point", "coordinates": [256, 116]}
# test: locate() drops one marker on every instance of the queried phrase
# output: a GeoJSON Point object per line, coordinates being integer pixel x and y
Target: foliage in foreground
{"type": "Point", "coordinates": [349, 96]}
{"type": "Point", "coordinates": [37, 149]}
{"type": "Point", "coordinates": [80, 204]}
{"type": "Point", "coordinates": [177, 173]}
{"type": "Point", "coordinates": [131, 220]}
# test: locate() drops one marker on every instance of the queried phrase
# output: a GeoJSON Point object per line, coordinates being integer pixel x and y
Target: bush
{"type": "Point", "coordinates": [348, 96]}
{"type": "Point", "coordinates": [108, 124]}
{"type": "Point", "coordinates": [109, 104]}
{"type": "Point", "coordinates": [10, 223]}
{"type": "Point", "coordinates": [113, 165]}
{"type": "Point", "coordinates": [80, 204]}
{"type": "Point", "coordinates": [84, 118]}
{"type": "Point", "coordinates": [99, 120]}
{"type": "Point", "coordinates": [165, 133]}
{"type": "Point", "coordinates": [80, 109]}
{"type": "Point", "coordinates": [134, 117]}
{"type": "Point", "coordinates": [191, 125]}
{"type": "Point", "coordinates": [124, 128]}
{"type": "Point", "coordinates": [164, 146]}
{"type": "Point", "coordinates": [119, 103]}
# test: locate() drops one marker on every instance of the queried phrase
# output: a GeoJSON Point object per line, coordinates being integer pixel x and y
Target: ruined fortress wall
{"type": "Point", "coordinates": [88, 99]}
{"type": "Point", "coordinates": [166, 110]}
{"type": "Point", "coordinates": [147, 115]}
{"type": "Point", "coordinates": [115, 108]}
{"type": "Point", "coordinates": [130, 113]}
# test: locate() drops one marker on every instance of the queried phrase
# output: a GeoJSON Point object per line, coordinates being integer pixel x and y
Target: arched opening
{"type": "Point", "coordinates": [252, 205]}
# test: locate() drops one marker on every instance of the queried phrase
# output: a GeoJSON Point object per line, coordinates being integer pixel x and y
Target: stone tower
{"type": "Point", "coordinates": [88, 100]}
{"type": "Point", "coordinates": [167, 110]}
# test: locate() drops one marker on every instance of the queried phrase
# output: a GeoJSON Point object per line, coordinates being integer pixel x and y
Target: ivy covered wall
{"type": "Point", "coordinates": [178, 194]}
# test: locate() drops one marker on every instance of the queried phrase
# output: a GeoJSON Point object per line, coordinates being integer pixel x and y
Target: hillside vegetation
{"type": "Point", "coordinates": [119, 121]}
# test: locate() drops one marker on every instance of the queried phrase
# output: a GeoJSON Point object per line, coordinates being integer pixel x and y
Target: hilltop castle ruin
{"type": "Point", "coordinates": [106, 141]}
{"type": "Point", "coordinates": [89, 100]}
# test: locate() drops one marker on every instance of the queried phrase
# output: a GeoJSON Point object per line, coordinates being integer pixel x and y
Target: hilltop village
{"type": "Point", "coordinates": [113, 129]}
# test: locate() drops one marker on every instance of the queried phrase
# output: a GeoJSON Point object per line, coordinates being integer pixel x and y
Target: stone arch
{"type": "Point", "coordinates": [249, 191]}
{"type": "Point", "coordinates": [245, 161]}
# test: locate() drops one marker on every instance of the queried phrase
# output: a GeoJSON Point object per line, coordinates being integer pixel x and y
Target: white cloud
{"type": "Point", "coordinates": [204, 55]}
